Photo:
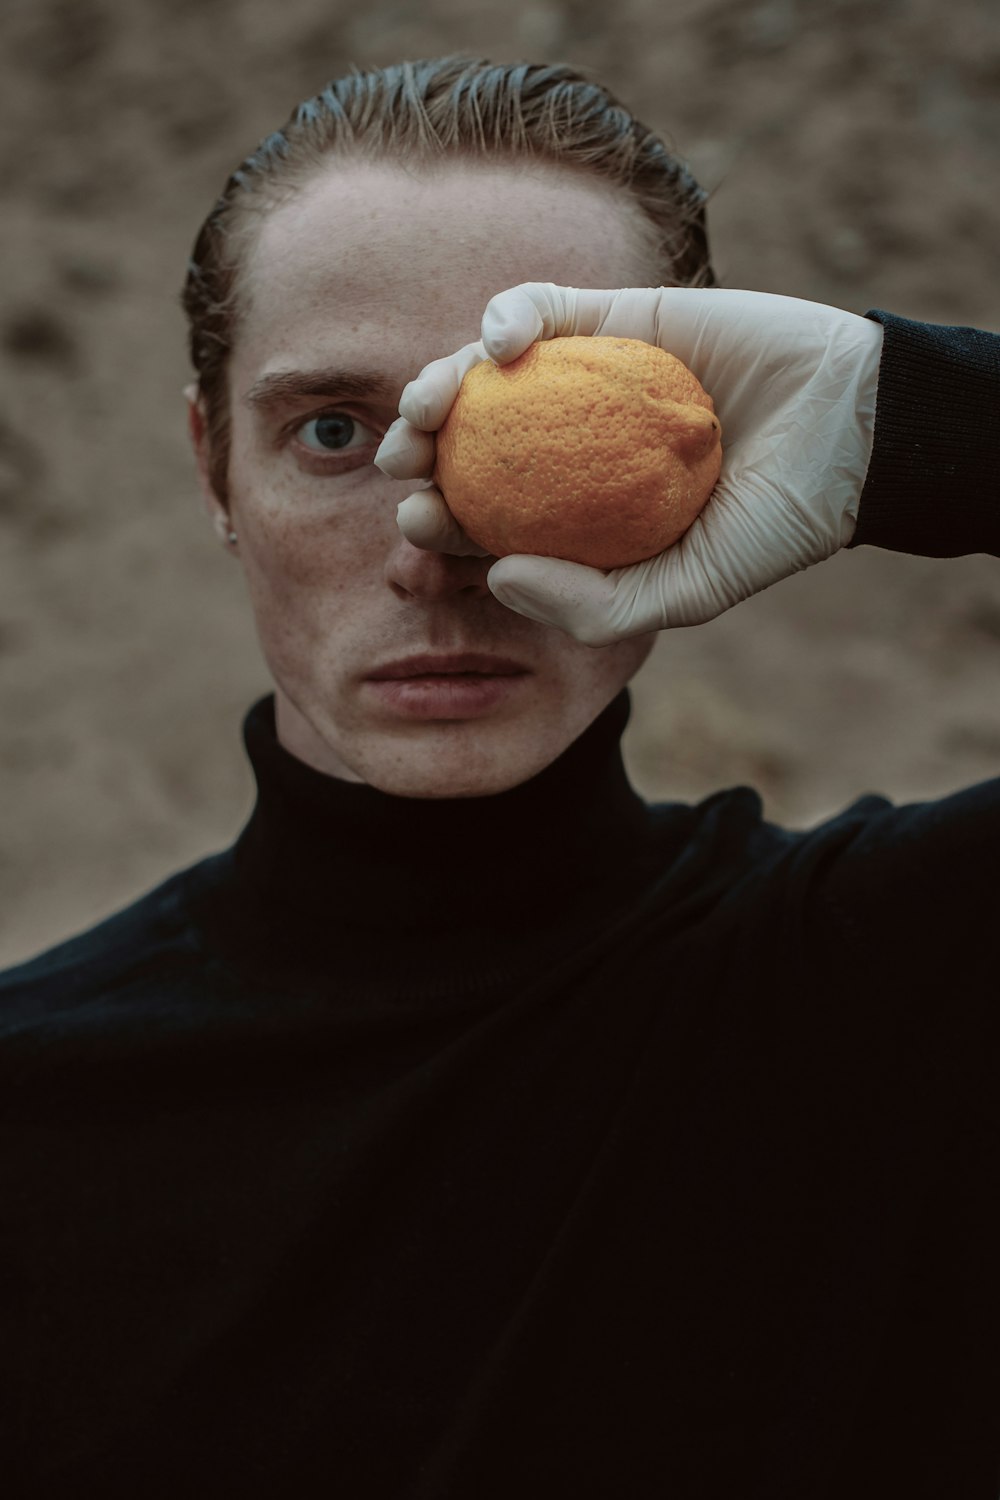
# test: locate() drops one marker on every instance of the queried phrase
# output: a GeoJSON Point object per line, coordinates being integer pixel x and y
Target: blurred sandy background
{"type": "Point", "coordinates": [853, 152]}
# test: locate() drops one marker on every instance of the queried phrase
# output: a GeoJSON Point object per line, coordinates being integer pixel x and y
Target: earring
{"type": "Point", "coordinates": [231, 538]}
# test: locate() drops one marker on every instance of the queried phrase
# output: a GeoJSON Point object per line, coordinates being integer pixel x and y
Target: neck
{"type": "Point", "coordinates": [336, 880]}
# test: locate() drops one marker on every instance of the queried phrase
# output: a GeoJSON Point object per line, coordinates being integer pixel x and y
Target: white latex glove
{"type": "Point", "coordinates": [794, 387]}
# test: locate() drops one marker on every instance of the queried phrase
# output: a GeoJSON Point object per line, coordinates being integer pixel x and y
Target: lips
{"type": "Point", "coordinates": [472, 663]}
{"type": "Point", "coordinates": [457, 686]}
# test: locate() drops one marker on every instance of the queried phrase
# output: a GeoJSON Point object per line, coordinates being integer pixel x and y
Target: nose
{"type": "Point", "coordinates": [431, 577]}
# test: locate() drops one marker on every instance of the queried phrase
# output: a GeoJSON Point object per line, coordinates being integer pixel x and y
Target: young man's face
{"type": "Point", "coordinates": [355, 283]}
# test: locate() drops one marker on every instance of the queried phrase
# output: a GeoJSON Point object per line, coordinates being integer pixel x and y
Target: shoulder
{"type": "Point", "coordinates": [893, 913]}
{"type": "Point", "coordinates": [931, 859]}
{"type": "Point", "coordinates": [877, 877]}
{"type": "Point", "coordinates": [153, 937]}
{"type": "Point", "coordinates": [881, 920]}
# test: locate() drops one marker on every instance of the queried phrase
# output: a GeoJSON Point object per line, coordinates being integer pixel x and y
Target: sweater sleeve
{"type": "Point", "coordinates": [933, 484]}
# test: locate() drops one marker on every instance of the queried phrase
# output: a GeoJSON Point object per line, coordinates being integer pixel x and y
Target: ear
{"type": "Point", "coordinates": [218, 511]}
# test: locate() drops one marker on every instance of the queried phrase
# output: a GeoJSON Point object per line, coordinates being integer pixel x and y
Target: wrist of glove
{"type": "Point", "coordinates": [794, 386]}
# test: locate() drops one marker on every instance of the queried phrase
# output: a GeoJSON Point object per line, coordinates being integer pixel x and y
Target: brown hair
{"type": "Point", "coordinates": [424, 111]}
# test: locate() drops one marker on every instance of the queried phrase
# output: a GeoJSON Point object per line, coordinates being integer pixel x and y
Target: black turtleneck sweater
{"type": "Point", "coordinates": [544, 1144]}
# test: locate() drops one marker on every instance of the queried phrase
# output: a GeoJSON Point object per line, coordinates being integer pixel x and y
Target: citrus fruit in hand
{"type": "Point", "coordinates": [596, 449]}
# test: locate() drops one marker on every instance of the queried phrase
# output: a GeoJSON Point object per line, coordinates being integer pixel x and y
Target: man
{"type": "Point", "coordinates": [469, 1128]}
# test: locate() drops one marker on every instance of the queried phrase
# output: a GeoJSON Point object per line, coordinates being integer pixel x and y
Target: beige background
{"type": "Point", "coordinates": [852, 149]}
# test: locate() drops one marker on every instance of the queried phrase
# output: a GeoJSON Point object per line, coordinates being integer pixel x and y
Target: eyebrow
{"type": "Point", "coordinates": [291, 385]}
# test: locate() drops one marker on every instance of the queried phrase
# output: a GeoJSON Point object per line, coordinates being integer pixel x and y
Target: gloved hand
{"type": "Point", "coordinates": [794, 387]}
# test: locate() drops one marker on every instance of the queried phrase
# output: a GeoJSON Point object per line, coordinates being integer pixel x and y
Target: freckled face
{"type": "Point", "coordinates": [351, 287]}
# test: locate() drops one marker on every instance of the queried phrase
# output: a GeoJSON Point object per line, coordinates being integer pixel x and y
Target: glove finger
{"type": "Point", "coordinates": [571, 597]}
{"type": "Point", "coordinates": [719, 561]}
{"type": "Point", "coordinates": [428, 398]}
{"type": "Point", "coordinates": [541, 310]}
{"type": "Point", "coordinates": [514, 319]}
{"type": "Point", "coordinates": [425, 520]}
{"type": "Point", "coordinates": [698, 578]}
{"type": "Point", "coordinates": [405, 452]}
{"type": "Point", "coordinates": [700, 325]}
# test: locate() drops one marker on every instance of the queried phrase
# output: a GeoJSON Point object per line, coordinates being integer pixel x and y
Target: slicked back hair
{"type": "Point", "coordinates": [422, 114]}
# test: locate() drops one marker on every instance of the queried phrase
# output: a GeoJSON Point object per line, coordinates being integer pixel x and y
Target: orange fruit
{"type": "Point", "coordinates": [596, 449]}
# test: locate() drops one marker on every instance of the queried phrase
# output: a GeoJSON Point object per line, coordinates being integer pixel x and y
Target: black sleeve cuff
{"type": "Point", "coordinates": [933, 484]}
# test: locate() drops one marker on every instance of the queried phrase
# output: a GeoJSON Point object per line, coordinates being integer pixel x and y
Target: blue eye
{"type": "Point", "coordinates": [334, 432]}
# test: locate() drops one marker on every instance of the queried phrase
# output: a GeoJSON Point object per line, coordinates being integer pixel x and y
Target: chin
{"type": "Point", "coordinates": [438, 758]}
{"type": "Point", "coordinates": [453, 762]}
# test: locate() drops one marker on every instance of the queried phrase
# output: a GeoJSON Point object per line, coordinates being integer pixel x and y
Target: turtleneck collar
{"type": "Point", "coordinates": [334, 878]}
